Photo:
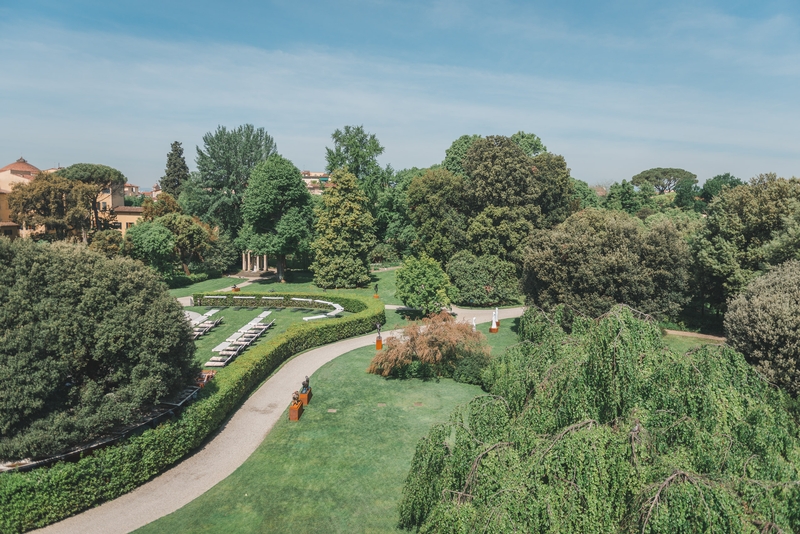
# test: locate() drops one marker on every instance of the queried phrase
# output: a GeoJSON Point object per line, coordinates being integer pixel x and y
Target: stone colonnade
{"type": "Point", "coordinates": [254, 262]}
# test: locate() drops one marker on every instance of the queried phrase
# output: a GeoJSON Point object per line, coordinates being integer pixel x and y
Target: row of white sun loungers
{"type": "Point", "coordinates": [201, 325]}
{"type": "Point", "coordinates": [239, 341]}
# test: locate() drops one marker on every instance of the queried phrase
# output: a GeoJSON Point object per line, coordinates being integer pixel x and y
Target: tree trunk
{"type": "Point", "coordinates": [281, 265]}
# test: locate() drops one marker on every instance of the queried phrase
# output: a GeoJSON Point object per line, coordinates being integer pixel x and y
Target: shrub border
{"type": "Point", "coordinates": [46, 495]}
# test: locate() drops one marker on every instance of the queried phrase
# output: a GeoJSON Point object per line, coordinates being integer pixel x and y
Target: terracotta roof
{"type": "Point", "coordinates": [128, 209]}
{"type": "Point", "coordinates": [20, 166]}
{"type": "Point", "coordinates": [9, 223]}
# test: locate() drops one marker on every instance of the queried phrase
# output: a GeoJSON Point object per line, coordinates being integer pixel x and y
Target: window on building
{"type": "Point", "coordinates": [128, 225]}
{"type": "Point", "coordinates": [106, 191]}
{"type": "Point", "coordinates": [103, 206]}
{"type": "Point", "coordinates": [7, 233]}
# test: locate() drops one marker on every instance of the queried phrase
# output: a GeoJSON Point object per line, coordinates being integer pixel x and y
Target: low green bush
{"type": "Point", "coordinates": [46, 495]}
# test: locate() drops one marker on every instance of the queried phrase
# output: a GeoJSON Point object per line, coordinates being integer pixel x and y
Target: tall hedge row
{"type": "Point", "coordinates": [43, 496]}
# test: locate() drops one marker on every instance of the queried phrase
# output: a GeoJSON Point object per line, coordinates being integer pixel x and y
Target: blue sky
{"type": "Point", "coordinates": [615, 87]}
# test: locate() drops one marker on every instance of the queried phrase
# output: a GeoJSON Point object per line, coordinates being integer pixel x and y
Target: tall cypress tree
{"type": "Point", "coordinates": [177, 171]}
{"type": "Point", "coordinates": [345, 235]}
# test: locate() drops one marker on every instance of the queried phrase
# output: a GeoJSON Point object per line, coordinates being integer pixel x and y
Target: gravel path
{"type": "Point", "coordinates": [228, 448]}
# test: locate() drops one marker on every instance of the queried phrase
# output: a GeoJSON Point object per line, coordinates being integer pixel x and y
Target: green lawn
{"type": "Point", "coordinates": [302, 282]}
{"type": "Point", "coordinates": [214, 284]}
{"type": "Point", "coordinates": [681, 344]}
{"type": "Point", "coordinates": [235, 317]}
{"type": "Point", "coordinates": [329, 472]}
{"type": "Point", "coordinates": [333, 472]}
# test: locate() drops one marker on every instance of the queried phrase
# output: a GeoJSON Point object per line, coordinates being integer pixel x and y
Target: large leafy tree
{"type": "Point", "coordinates": [101, 179]}
{"type": "Point", "coordinates": [344, 235]}
{"type": "Point", "coordinates": [394, 225]}
{"type": "Point", "coordinates": [162, 205]}
{"type": "Point", "coordinates": [597, 258]}
{"type": "Point", "coordinates": [555, 188]}
{"type": "Point", "coordinates": [358, 151]}
{"type": "Point", "coordinates": [277, 211]}
{"type": "Point", "coordinates": [224, 165]}
{"type": "Point", "coordinates": [192, 239]}
{"type": "Point", "coordinates": [422, 284]}
{"type": "Point", "coordinates": [54, 203]}
{"type": "Point", "coordinates": [436, 203]}
{"type": "Point", "coordinates": [732, 248]}
{"type": "Point", "coordinates": [761, 323]}
{"type": "Point", "coordinates": [482, 280]}
{"type": "Point", "coordinates": [501, 232]}
{"type": "Point", "coordinates": [663, 179]}
{"type": "Point", "coordinates": [86, 343]}
{"type": "Point", "coordinates": [500, 174]}
{"type": "Point", "coordinates": [176, 173]}
{"type": "Point", "coordinates": [153, 244]}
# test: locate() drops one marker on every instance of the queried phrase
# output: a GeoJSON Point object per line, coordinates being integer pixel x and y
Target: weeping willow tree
{"type": "Point", "coordinates": [594, 426]}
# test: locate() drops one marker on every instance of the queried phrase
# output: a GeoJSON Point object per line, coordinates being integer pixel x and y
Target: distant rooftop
{"type": "Point", "coordinates": [21, 166]}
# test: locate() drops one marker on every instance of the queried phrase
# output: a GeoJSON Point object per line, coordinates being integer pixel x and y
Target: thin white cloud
{"type": "Point", "coordinates": [121, 101]}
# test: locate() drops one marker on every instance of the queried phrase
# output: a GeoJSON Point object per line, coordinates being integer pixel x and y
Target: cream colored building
{"type": "Point", "coordinates": [18, 172]}
{"type": "Point", "coordinates": [127, 216]}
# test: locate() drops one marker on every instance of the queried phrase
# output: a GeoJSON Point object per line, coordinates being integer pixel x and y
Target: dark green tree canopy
{"type": "Point", "coordinates": [555, 188]}
{"type": "Point", "coordinates": [436, 202]}
{"type": "Point", "coordinates": [344, 235]}
{"type": "Point", "coordinates": [482, 280]}
{"type": "Point", "coordinates": [530, 143]}
{"type": "Point", "coordinates": [713, 186]}
{"type": "Point", "coordinates": [761, 323]}
{"type": "Point", "coordinates": [597, 259]}
{"type": "Point", "coordinates": [500, 174]}
{"type": "Point", "coordinates": [86, 343]}
{"type": "Point", "coordinates": [277, 211]}
{"type": "Point", "coordinates": [176, 173]}
{"type": "Point", "coordinates": [224, 165]}
{"type": "Point", "coordinates": [742, 221]}
{"type": "Point", "coordinates": [423, 285]}
{"type": "Point", "coordinates": [661, 179]}
{"type": "Point", "coordinates": [454, 156]}
{"type": "Point", "coordinates": [153, 244]}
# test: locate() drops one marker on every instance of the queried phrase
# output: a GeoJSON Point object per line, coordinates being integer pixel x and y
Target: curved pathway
{"type": "Point", "coordinates": [228, 448]}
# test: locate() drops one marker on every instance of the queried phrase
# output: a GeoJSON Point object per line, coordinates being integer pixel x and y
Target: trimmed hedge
{"type": "Point", "coordinates": [350, 304]}
{"type": "Point", "coordinates": [46, 495]}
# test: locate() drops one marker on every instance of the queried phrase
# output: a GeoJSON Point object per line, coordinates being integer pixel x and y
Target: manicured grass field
{"type": "Point", "coordinates": [302, 282]}
{"type": "Point", "coordinates": [235, 318]}
{"type": "Point", "coordinates": [214, 284]}
{"type": "Point", "coordinates": [332, 472]}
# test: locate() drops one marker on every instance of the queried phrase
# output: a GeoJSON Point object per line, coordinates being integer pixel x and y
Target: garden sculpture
{"type": "Point", "coordinates": [305, 387]}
